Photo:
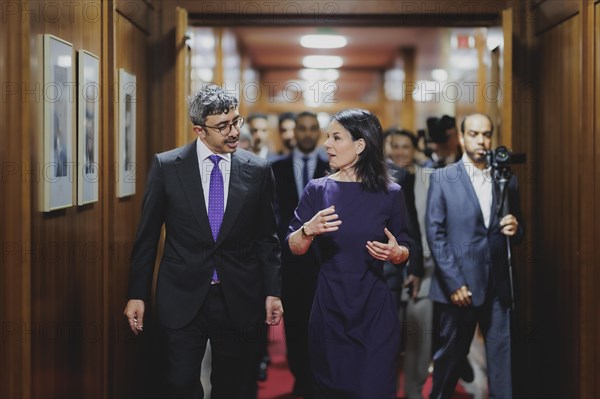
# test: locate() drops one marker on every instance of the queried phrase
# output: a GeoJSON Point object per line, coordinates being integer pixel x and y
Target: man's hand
{"type": "Point", "coordinates": [461, 297]}
{"type": "Point", "coordinates": [508, 225]}
{"type": "Point", "coordinates": [416, 285]}
{"type": "Point", "coordinates": [134, 311]}
{"type": "Point", "coordinates": [274, 310]}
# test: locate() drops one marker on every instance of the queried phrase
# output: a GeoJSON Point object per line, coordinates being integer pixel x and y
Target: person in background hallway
{"type": "Point", "coordinates": [417, 307]}
{"type": "Point", "coordinates": [245, 140]}
{"type": "Point", "coordinates": [299, 273]}
{"type": "Point", "coordinates": [443, 140]}
{"type": "Point", "coordinates": [445, 147]}
{"type": "Point", "coordinates": [395, 276]}
{"type": "Point", "coordinates": [470, 283]}
{"type": "Point", "coordinates": [219, 276]}
{"type": "Point", "coordinates": [357, 219]}
{"type": "Point", "coordinates": [258, 124]}
{"type": "Point", "coordinates": [287, 122]}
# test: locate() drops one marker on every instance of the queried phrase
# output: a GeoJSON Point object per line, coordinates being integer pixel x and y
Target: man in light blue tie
{"type": "Point", "coordinates": [219, 276]}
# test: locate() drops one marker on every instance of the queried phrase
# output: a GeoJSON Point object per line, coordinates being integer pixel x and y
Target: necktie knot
{"type": "Point", "coordinates": [215, 159]}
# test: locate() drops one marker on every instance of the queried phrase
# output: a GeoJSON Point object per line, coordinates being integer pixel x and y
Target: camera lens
{"type": "Point", "coordinates": [502, 154]}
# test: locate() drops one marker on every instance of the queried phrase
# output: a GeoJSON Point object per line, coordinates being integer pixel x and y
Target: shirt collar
{"type": "Point", "coordinates": [204, 152]}
{"type": "Point", "coordinates": [472, 170]}
{"type": "Point", "coordinates": [298, 155]}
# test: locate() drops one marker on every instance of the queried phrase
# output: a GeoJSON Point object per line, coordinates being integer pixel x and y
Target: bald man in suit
{"type": "Point", "coordinates": [470, 283]}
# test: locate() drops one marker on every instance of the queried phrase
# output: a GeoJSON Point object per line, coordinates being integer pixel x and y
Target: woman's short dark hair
{"type": "Point", "coordinates": [370, 167]}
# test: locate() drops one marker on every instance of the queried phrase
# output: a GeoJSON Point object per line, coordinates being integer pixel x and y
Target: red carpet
{"type": "Point", "coordinates": [280, 381]}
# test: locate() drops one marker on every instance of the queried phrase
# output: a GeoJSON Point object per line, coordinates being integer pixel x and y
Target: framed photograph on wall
{"type": "Point", "coordinates": [88, 127]}
{"type": "Point", "coordinates": [126, 139]}
{"type": "Point", "coordinates": [59, 95]}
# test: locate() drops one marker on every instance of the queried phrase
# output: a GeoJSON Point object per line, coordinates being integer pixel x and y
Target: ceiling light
{"type": "Point", "coordinates": [322, 61]}
{"type": "Point", "coordinates": [396, 75]}
{"type": "Point", "coordinates": [441, 75]}
{"type": "Point", "coordinates": [323, 41]}
{"type": "Point", "coordinates": [464, 61]}
{"type": "Point", "coordinates": [319, 74]}
{"type": "Point", "coordinates": [494, 39]}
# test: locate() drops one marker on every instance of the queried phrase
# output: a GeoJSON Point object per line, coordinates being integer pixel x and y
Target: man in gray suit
{"type": "Point", "coordinates": [219, 276]}
{"type": "Point", "coordinates": [470, 284]}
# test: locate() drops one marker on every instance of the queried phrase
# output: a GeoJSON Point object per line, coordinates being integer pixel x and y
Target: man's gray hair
{"type": "Point", "coordinates": [210, 100]}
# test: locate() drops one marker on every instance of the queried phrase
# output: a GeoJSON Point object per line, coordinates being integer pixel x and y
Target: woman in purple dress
{"type": "Point", "coordinates": [356, 218]}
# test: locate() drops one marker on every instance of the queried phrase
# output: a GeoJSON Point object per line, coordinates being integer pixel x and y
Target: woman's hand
{"type": "Point", "coordinates": [391, 251]}
{"type": "Point", "coordinates": [324, 221]}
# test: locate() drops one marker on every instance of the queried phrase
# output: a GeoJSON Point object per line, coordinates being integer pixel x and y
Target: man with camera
{"type": "Point", "coordinates": [471, 281]}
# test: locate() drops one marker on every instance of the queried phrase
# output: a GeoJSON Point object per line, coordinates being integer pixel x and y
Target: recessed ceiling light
{"type": "Point", "coordinates": [323, 41]}
{"type": "Point", "coordinates": [464, 61]}
{"type": "Point", "coordinates": [441, 75]}
{"type": "Point", "coordinates": [322, 61]}
{"type": "Point", "coordinates": [319, 74]}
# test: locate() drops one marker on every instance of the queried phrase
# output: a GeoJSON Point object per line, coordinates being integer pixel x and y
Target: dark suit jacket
{"type": "Point", "coordinates": [415, 263]}
{"type": "Point", "coordinates": [246, 253]}
{"type": "Point", "coordinates": [465, 252]}
{"type": "Point", "coordinates": [286, 193]}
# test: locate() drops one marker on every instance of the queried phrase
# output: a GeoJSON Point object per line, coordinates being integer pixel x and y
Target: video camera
{"type": "Point", "coordinates": [501, 158]}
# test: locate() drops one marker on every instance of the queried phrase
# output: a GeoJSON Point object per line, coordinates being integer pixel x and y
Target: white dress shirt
{"type": "Point", "coordinates": [206, 167]}
{"type": "Point", "coordinates": [482, 183]}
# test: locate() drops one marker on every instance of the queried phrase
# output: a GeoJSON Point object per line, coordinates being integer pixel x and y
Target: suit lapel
{"type": "Point", "coordinates": [188, 171]}
{"type": "Point", "coordinates": [468, 188]}
{"type": "Point", "coordinates": [240, 177]}
{"type": "Point", "coordinates": [321, 168]}
{"type": "Point", "coordinates": [289, 180]}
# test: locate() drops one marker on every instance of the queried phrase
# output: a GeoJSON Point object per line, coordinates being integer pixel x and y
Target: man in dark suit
{"type": "Point", "coordinates": [470, 285]}
{"type": "Point", "coordinates": [299, 273]}
{"type": "Point", "coordinates": [220, 270]}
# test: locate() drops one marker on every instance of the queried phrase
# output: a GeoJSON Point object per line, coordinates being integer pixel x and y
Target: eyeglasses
{"type": "Point", "coordinates": [225, 130]}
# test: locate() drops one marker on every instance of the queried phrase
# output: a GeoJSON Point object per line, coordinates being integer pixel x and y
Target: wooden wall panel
{"type": "Point", "coordinates": [63, 273]}
{"type": "Point", "coordinates": [128, 373]}
{"type": "Point", "coordinates": [596, 277]}
{"type": "Point", "coordinates": [566, 309]}
{"type": "Point", "coordinates": [66, 327]}
{"type": "Point", "coordinates": [15, 205]}
{"type": "Point", "coordinates": [565, 203]}
{"type": "Point", "coordinates": [550, 13]}
{"type": "Point", "coordinates": [587, 206]}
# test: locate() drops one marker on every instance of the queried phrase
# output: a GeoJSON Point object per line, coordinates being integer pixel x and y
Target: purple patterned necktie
{"type": "Point", "coordinates": [216, 203]}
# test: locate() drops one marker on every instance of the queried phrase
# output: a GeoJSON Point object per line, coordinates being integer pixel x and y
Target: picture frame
{"type": "Point", "coordinates": [126, 139]}
{"type": "Point", "coordinates": [88, 127]}
{"type": "Point", "coordinates": [58, 104]}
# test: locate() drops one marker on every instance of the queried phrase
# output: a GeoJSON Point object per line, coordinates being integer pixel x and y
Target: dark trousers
{"type": "Point", "coordinates": [234, 353]}
{"type": "Point", "coordinates": [455, 333]}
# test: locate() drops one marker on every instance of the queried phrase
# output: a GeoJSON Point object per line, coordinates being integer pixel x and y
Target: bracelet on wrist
{"type": "Point", "coordinates": [305, 234]}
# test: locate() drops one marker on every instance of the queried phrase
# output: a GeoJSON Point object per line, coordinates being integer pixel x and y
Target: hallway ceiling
{"type": "Point", "coordinates": [376, 29]}
{"type": "Point", "coordinates": [276, 52]}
